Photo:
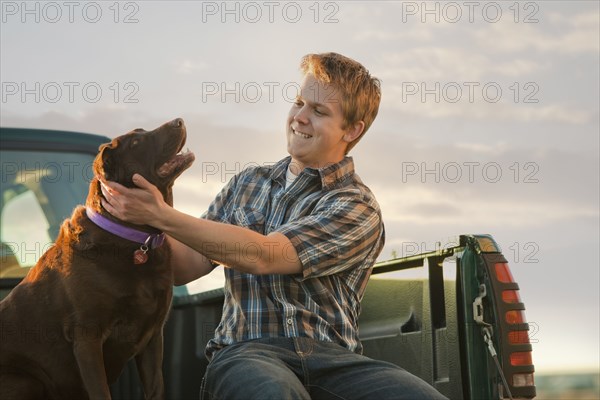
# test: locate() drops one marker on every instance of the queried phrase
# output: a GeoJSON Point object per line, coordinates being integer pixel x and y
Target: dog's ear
{"type": "Point", "coordinates": [103, 163]}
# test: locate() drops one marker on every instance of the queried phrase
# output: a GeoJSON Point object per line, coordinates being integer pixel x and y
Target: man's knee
{"type": "Point", "coordinates": [240, 374]}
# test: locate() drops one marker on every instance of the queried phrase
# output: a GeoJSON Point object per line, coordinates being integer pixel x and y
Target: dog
{"type": "Point", "coordinates": [101, 294]}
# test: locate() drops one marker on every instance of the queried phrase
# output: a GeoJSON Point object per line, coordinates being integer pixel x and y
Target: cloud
{"type": "Point", "coordinates": [437, 206]}
{"type": "Point", "coordinates": [188, 67]}
{"type": "Point", "coordinates": [522, 184]}
{"type": "Point", "coordinates": [452, 63]}
{"type": "Point", "coordinates": [576, 34]}
{"type": "Point", "coordinates": [419, 33]}
{"type": "Point", "coordinates": [110, 120]}
{"type": "Point", "coordinates": [482, 148]}
{"type": "Point", "coordinates": [458, 83]}
{"type": "Point", "coordinates": [428, 100]}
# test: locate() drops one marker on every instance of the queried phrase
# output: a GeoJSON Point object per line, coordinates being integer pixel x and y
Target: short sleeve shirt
{"type": "Point", "coordinates": [334, 224]}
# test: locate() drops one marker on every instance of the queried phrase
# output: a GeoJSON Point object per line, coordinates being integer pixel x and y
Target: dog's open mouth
{"type": "Point", "coordinates": [177, 164]}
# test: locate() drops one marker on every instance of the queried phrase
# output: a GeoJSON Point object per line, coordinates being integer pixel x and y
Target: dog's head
{"type": "Point", "coordinates": [156, 155]}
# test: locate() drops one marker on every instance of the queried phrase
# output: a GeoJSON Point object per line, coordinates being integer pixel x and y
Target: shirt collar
{"type": "Point", "coordinates": [330, 176]}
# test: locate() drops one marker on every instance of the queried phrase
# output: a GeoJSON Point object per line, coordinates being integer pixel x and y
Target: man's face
{"type": "Point", "coordinates": [314, 126]}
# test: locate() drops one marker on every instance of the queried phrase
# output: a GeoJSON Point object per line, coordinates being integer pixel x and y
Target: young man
{"type": "Point", "coordinates": [299, 240]}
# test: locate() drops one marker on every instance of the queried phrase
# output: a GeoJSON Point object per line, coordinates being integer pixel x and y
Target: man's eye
{"type": "Point", "coordinates": [319, 112]}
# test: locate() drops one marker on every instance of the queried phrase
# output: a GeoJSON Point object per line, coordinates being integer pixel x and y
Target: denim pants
{"type": "Point", "coordinates": [303, 368]}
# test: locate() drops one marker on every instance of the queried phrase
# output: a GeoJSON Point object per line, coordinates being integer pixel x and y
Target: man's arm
{"type": "Point", "coordinates": [236, 247]}
{"type": "Point", "coordinates": [187, 263]}
{"type": "Point", "coordinates": [233, 246]}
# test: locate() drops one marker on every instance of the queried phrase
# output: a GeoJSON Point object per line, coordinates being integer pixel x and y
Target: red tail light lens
{"type": "Point", "coordinates": [521, 358]}
{"type": "Point", "coordinates": [515, 317]}
{"type": "Point", "coordinates": [503, 273]}
{"type": "Point", "coordinates": [518, 337]}
{"type": "Point", "coordinates": [511, 296]}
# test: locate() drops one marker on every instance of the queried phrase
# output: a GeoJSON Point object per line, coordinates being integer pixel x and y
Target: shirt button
{"type": "Point", "coordinates": [290, 321]}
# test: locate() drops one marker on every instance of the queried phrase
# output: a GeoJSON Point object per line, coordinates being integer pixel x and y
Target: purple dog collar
{"type": "Point", "coordinates": [152, 240]}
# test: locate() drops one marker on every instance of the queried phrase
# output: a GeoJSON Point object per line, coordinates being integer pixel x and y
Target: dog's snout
{"type": "Point", "coordinates": [177, 123]}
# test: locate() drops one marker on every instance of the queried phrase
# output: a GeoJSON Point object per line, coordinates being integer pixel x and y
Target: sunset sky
{"type": "Point", "coordinates": [489, 121]}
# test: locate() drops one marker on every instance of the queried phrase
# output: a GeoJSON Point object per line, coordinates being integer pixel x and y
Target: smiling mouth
{"type": "Point", "coordinates": [300, 134]}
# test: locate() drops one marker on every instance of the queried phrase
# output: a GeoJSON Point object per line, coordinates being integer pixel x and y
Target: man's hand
{"type": "Point", "coordinates": [143, 205]}
{"type": "Point", "coordinates": [237, 247]}
{"type": "Point", "coordinates": [140, 205]}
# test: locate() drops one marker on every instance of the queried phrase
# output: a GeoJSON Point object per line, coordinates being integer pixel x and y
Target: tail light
{"type": "Point", "coordinates": [512, 328]}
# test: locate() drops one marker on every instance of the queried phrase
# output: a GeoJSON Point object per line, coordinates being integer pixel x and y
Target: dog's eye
{"type": "Point", "coordinates": [134, 142]}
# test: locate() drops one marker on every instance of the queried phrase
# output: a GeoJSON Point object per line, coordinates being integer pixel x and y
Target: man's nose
{"type": "Point", "coordinates": [301, 115]}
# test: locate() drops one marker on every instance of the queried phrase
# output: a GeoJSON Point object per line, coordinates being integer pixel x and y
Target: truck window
{"type": "Point", "coordinates": [38, 190]}
{"type": "Point", "coordinates": [24, 235]}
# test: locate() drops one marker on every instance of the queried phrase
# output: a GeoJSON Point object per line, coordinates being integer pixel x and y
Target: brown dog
{"type": "Point", "coordinates": [96, 299]}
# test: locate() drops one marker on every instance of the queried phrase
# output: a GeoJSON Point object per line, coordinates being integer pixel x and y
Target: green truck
{"type": "Point", "coordinates": [452, 316]}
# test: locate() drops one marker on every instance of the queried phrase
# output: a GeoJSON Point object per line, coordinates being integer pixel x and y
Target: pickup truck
{"type": "Point", "coordinates": [452, 315]}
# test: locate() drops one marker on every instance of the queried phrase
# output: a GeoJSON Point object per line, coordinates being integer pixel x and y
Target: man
{"type": "Point", "coordinates": [299, 240]}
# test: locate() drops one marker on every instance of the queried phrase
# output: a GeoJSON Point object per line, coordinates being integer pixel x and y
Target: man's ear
{"type": "Point", "coordinates": [354, 131]}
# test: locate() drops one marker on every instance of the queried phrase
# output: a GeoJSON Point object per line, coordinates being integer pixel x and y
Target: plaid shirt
{"type": "Point", "coordinates": [334, 223]}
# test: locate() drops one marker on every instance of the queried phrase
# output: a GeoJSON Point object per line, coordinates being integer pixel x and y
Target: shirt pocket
{"type": "Point", "coordinates": [249, 218]}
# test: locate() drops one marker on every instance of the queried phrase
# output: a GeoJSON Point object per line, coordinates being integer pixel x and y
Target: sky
{"type": "Point", "coordinates": [489, 120]}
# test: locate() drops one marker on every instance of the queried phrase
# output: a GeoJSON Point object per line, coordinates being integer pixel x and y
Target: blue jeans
{"type": "Point", "coordinates": [303, 368]}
